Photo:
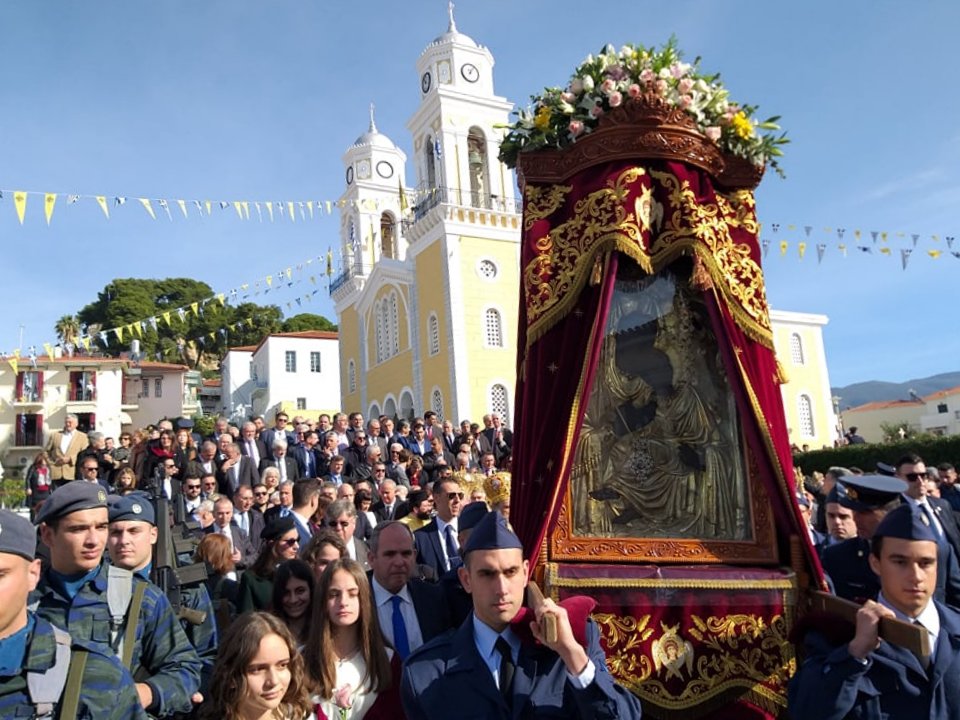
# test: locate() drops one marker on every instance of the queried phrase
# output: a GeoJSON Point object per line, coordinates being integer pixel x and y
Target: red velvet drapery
{"type": "Point", "coordinates": [574, 235]}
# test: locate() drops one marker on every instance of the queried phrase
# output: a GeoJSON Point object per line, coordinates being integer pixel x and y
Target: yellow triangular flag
{"type": "Point", "coordinates": [183, 207]}
{"type": "Point", "coordinates": [102, 202]}
{"type": "Point", "coordinates": [885, 250]}
{"type": "Point", "coordinates": [236, 206]}
{"type": "Point", "coordinates": [269, 209]}
{"type": "Point", "coordinates": [222, 298]}
{"type": "Point", "coordinates": [802, 249]}
{"type": "Point", "coordinates": [269, 279]}
{"type": "Point", "coordinates": [290, 208]}
{"type": "Point", "coordinates": [195, 306]}
{"type": "Point", "coordinates": [289, 272]}
{"type": "Point", "coordinates": [329, 207]}
{"type": "Point", "coordinates": [86, 342]}
{"type": "Point", "coordinates": [148, 207]}
{"type": "Point", "coordinates": [119, 332]}
{"type": "Point", "coordinates": [783, 247]}
{"type": "Point", "coordinates": [138, 328]}
{"type": "Point", "coordinates": [14, 365]}
{"type": "Point", "coordinates": [20, 203]}
{"type": "Point", "coordinates": [48, 349]}
{"type": "Point", "coordinates": [213, 336]}
{"type": "Point", "coordinates": [934, 253]}
{"type": "Point", "coordinates": [246, 209]}
{"type": "Point", "coordinates": [49, 201]}
{"type": "Point", "coordinates": [166, 316]}
{"type": "Point", "coordinates": [207, 204]}
{"type": "Point", "coordinates": [310, 209]}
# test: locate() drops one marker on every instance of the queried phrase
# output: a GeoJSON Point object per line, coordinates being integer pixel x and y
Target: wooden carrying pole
{"type": "Point", "coordinates": [908, 636]}
{"type": "Point", "coordinates": [535, 600]}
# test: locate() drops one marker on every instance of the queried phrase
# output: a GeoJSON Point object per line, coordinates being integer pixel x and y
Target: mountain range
{"type": "Point", "coordinates": [879, 391]}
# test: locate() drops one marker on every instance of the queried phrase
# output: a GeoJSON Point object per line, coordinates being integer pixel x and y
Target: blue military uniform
{"type": "Point", "coordinates": [448, 677]}
{"type": "Point", "coordinates": [890, 682]}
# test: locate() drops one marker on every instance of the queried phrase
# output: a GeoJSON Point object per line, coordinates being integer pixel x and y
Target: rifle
{"type": "Point", "coordinates": [165, 573]}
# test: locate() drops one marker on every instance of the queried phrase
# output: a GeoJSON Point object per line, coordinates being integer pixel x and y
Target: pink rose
{"type": "Point", "coordinates": [596, 111]}
{"type": "Point", "coordinates": [607, 86]}
{"type": "Point", "coordinates": [615, 99]}
{"type": "Point", "coordinates": [661, 86]}
{"type": "Point", "coordinates": [685, 102]}
{"type": "Point", "coordinates": [568, 97]}
{"type": "Point", "coordinates": [575, 127]}
{"type": "Point", "coordinates": [576, 86]}
{"type": "Point", "coordinates": [341, 697]}
{"type": "Point", "coordinates": [634, 91]}
{"type": "Point", "coordinates": [685, 86]}
{"type": "Point", "coordinates": [647, 76]}
{"type": "Point", "coordinates": [712, 132]}
{"type": "Point", "coordinates": [676, 71]}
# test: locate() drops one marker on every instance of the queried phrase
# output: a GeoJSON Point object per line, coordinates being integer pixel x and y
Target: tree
{"type": "Point", "coordinates": [68, 329]}
{"type": "Point", "coordinates": [308, 321]}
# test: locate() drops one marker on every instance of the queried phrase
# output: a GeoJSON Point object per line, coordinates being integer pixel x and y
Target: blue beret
{"type": "Point", "coordinates": [134, 506]}
{"type": "Point", "coordinates": [471, 515]}
{"type": "Point", "coordinates": [907, 524]}
{"type": "Point", "coordinates": [869, 492]}
{"type": "Point", "coordinates": [884, 469]}
{"type": "Point", "coordinates": [802, 500]}
{"type": "Point", "coordinates": [72, 497]}
{"type": "Point", "coordinates": [492, 533]}
{"type": "Point", "coordinates": [17, 535]}
{"type": "Point", "coordinates": [184, 424]}
{"type": "Point", "coordinates": [837, 495]}
{"type": "Point", "coordinates": [277, 527]}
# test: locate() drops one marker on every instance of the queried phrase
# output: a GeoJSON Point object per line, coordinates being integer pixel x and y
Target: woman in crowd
{"type": "Point", "coordinates": [125, 481]}
{"type": "Point", "coordinates": [363, 502]}
{"type": "Point", "coordinates": [325, 546]}
{"type": "Point", "coordinates": [415, 472]}
{"type": "Point", "coordinates": [186, 445]}
{"type": "Point", "coordinates": [215, 550]}
{"type": "Point", "coordinates": [122, 453]}
{"type": "Point", "coordinates": [348, 661]}
{"type": "Point", "coordinates": [270, 477]}
{"type": "Point", "coordinates": [280, 542]}
{"type": "Point", "coordinates": [39, 484]}
{"type": "Point", "coordinates": [258, 674]}
{"type": "Point", "coordinates": [292, 597]}
{"type": "Point", "coordinates": [164, 449]}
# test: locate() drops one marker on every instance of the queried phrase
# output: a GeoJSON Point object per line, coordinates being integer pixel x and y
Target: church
{"type": "Point", "coordinates": [427, 297]}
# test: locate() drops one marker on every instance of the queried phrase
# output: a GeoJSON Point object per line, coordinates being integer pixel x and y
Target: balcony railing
{"type": "Point", "coordinates": [425, 200]}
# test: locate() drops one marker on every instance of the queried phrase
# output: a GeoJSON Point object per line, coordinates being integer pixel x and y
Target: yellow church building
{"type": "Point", "coordinates": [426, 300]}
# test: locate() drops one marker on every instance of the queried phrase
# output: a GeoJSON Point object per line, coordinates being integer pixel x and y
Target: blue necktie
{"type": "Point", "coordinates": [453, 554]}
{"type": "Point", "coordinates": [925, 509]}
{"type": "Point", "coordinates": [400, 640]}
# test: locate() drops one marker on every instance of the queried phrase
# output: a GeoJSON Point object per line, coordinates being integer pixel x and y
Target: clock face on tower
{"type": "Point", "coordinates": [470, 73]}
{"type": "Point", "coordinates": [425, 82]}
{"type": "Point", "coordinates": [363, 169]}
{"type": "Point", "coordinates": [384, 169]}
{"type": "Point", "coordinates": [349, 174]}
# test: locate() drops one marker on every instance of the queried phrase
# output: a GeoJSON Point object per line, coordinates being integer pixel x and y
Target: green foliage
{"type": "Point", "coordinates": [308, 321]}
{"type": "Point", "coordinates": [933, 451]}
{"type": "Point", "coordinates": [13, 493]}
{"type": "Point", "coordinates": [212, 329]}
{"type": "Point", "coordinates": [203, 424]}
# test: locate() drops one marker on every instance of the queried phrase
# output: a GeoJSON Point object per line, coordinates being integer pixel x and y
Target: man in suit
{"type": "Point", "coordinates": [336, 475]}
{"type": "Point", "coordinates": [190, 489]}
{"type": "Point", "coordinates": [236, 471]}
{"type": "Point", "coordinates": [252, 446]}
{"type": "Point", "coordinates": [437, 544]}
{"type": "Point", "coordinates": [245, 516]}
{"type": "Point", "coordinates": [870, 678]}
{"type": "Point", "coordinates": [911, 469]}
{"type": "Point", "coordinates": [342, 517]}
{"type": "Point", "coordinates": [281, 461]}
{"type": "Point", "coordinates": [90, 472]}
{"type": "Point", "coordinates": [63, 448]}
{"type": "Point", "coordinates": [286, 503]}
{"type": "Point", "coordinates": [207, 458]}
{"type": "Point", "coordinates": [390, 507]}
{"type": "Point", "coordinates": [485, 665]}
{"type": "Point", "coordinates": [305, 454]}
{"type": "Point", "coordinates": [437, 458]}
{"type": "Point", "coordinates": [306, 499]}
{"type": "Point", "coordinates": [279, 431]}
{"type": "Point", "coordinates": [450, 443]}
{"type": "Point", "coordinates": [411, 612]}
{"type": "Point", "coordinates": [496, 439]}
{"type": "Point", "coordinates": [417, 442]}
{"type": "Point", "coordinates": [376, 437]}
{"type": "Point", "coordinates": [244, 554]}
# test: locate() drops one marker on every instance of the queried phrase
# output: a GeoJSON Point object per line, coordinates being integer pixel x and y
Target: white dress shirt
{"type": "Point", "coordinates": [382, 598]}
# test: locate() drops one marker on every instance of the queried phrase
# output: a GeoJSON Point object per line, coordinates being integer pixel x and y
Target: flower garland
{"type": "Point", "coordinates": [604, 82]}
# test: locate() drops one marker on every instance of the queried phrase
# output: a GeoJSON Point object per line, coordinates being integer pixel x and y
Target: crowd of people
{"type": "Point", "coordinates": [353, 570]}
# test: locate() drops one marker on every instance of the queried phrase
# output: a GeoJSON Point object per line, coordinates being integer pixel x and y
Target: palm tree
{"type": "Point", "coordinates": [68, 329]}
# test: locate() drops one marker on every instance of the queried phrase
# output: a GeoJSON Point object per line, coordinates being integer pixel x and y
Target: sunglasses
{"type": "Point", "coordinates": [341, 524]}
{"type": "Point", "coordinates": [452, 495]}
{"type": "Point", "coordinates": [913, 477]}
{"type": "Point", "coordinates": [90, 469]}
{"type": "Point", "coordinates": [291, 542]}
{"type": "Point", "coordinates": [192, 487]}
{"type": "Point", "coordinates": [259, 493]}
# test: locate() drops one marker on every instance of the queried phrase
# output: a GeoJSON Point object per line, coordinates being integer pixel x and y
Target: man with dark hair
{"type": "Point", "coordinates": [421, 510]}
{"type": "Point", "coordinates": [437, 543]}
{"type": "Point", "coordinates": [235, 471]}
{"type": "Point", "coordinates": [411, 611]}
{"type": "Point", "coordinates": [871, 678]}
{"type": "Point", "coordinates": [243, 551]}
{"type": "Point", "coordinates": [948, 485]}
{"type": "Point", "coordinates": [939, 512]}
{"type": "Point", "coordinates": [306, 499]}
{"type": "Point", "coordinates": [486, 666]}
{"type": "Point", "coordinates": [245, 515]}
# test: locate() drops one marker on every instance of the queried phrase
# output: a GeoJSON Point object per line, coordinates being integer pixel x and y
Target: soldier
{"type": "Point", "coordinates": [42, 669]}
{"type": "Point", "coordinates": [133, 533]}
{"type": "Point", "coordinates": [126, 615]}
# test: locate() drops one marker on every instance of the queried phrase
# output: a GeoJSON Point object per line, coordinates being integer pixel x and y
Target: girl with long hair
{"type": "Point", "coordinates": [293, 595]}
{"type": "Point", "coordinates": [354, 674]}
{"type": "Point", "coordinates": [280, 541]}
{"type": "Point", "coordinates": [39, 483]}
{"type": "Point", "coordinates": [258, 674]}
{"type": "Point", "coordinates": [125, 481]}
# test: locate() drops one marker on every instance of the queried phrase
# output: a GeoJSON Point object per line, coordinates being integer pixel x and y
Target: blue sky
{"type": "Point", "coordinates": [231, 99]}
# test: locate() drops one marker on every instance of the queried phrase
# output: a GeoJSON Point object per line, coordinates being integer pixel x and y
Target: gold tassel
{"type": "Point", "coordinates": [781, 377]}
{"type": "Point", "coordinates": [700, 278]}
{"type": "Point", "coordinates": [596, 276]}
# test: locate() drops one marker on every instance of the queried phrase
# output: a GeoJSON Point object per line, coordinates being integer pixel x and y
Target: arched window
{"type": "Point", "coordinates": [378, 331]}
{"type": "Point", "coordinates": [796, 349]}
{"type": "Point", "coordinates": [374, 411]}
{"type": "Point", "coordinates": [500, 403]}
{"type": "Point", "coordinates": [385, 335]}
{"type": "Point", "coordinates": [431, 163]}
{"type": "Point", "coordinates": [436, 402]}
{"type": "Point", "coordinates": [433, 332]}
{"type": "Point", "coordinates": [394, 325]}
{"type": "Point", "coordinates": [493, 328]}
{"type": "Point", "coordinates": [390, 408]}
{"type": "Point", "coordinates": [388, 240]}
{"type": "Point", "coordinates": [406, 405]}
{"type": "Point", "coordinates": [351, 377]}
{"type": "Point", "coordinates": [355, 248]}
{"type": "Point", "coordinates": [477, 168]}
{"type": "Point", "coordinates": [805, 409]}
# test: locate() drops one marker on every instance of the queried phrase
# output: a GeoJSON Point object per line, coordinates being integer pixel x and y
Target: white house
{"type": "Point", "coordinates": [941, 413]}
{"type": "Point", "coordinates": [157, 390]}
{"type": "Point", "coordinates": [298, 372]}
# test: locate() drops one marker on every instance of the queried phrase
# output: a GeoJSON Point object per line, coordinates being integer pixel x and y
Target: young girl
{"type": "Point", "coordinates": [258, 674]}
{"type": "Point", "coordinates": [280, 542]}
{"type": "Point", "coordinates": [353, 673]}
{"type": "Point", "coordinates": [292, 596]}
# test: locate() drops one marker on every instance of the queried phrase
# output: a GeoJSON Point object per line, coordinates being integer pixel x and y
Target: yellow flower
{"type": "Point", "coordinates": [542, 120]}
{"type": "Point", "coordinates": [742, 125]}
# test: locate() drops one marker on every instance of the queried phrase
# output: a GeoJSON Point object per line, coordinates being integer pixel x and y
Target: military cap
{"type": "Point", "coordinates": [17, 535]}
{"type": "Point", "coordinates": [72, 497]}
{"type": "Point", "coordinates": [837, 495]}
{"type": "Point", "coordinates": [869, 492]}
{"type": "Point", "coordinates": [184, 424]}
{"type": "Point", "coordinates": [134, 506]}
{"type": "Point", "coordinates": [277, 527]}
{"type": "Point", "coordinates": [471, 515]}
{"type": "Point", "coordinates": [884, 469]}
{"type": "Point", "coordinates": [492, 533]}
{"type": "Point", "coordinates": [802, 500]}
{"type": "Point", "coordinates": [906, 523]}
